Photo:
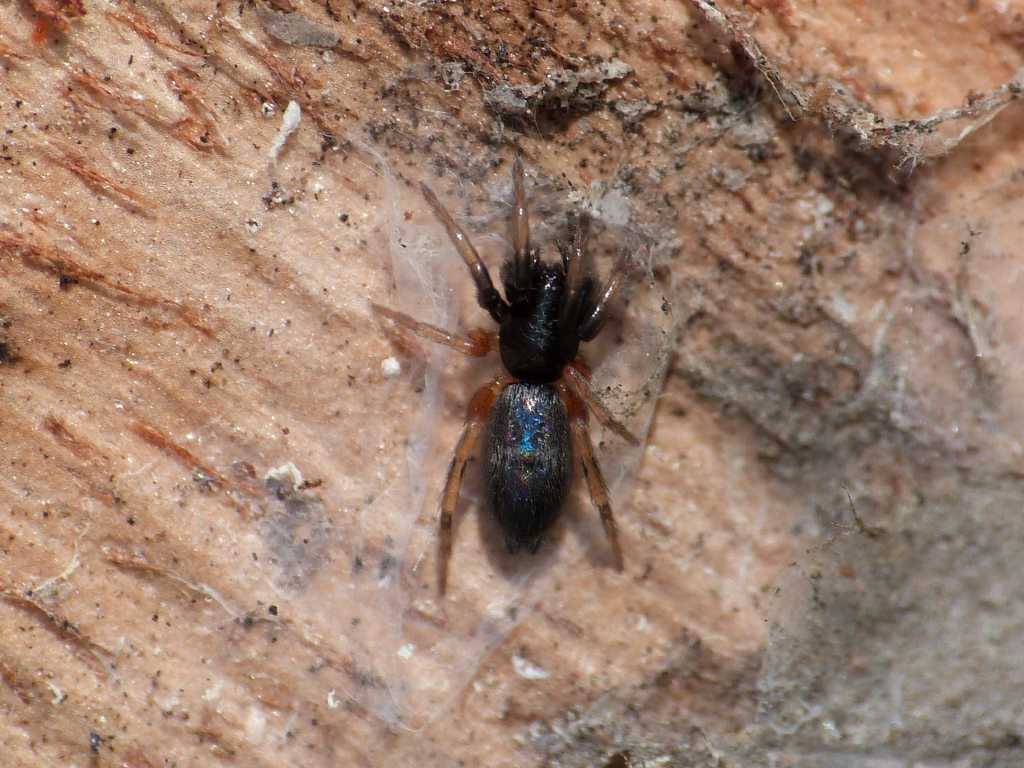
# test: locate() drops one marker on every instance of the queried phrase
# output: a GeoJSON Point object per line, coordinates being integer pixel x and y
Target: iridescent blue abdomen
{"type": "Point", "coordinates": [529, 461]}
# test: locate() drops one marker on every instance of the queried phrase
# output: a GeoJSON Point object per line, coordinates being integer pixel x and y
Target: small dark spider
{"type": "Point", "coordinates": [535, 415]}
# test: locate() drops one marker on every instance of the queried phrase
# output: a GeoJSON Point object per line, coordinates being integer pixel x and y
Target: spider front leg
{"type": "Point", "coordinates": [487, 295]}
{"type": "Point", "coordinates": [477, 344]}
{"type": "Point", "coordinates": [476, 419]}
{"type": "Point", "coordinates": [576, 267]}
{"type": "Point", "coordinates": [584, 451]}
{"type": "Point", "coordinates": [524, 259]}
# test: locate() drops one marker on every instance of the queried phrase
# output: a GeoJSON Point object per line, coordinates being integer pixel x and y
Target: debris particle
{"type": "Point", "coordinates": [59, 697]}
{"type": "Point", "coordinates": [390, 367]}
{"type": "Point", "coordinates": [296, 29]}
{"type": "Point", "coordinates": [633, 111]}
{"type": "Point", "coordinates": [406, 651]}
{"type": "Point", "coordinates": [332, 701]}
{"type": "Point", "coordinates": [277, 197]}
{"type": "Point", "coordinates": [562, 91]}
{"type": "Point", "coordinates": [268, 108]}
{"type": "Point", "coordinates": [451, 73]}
{"type": "Point", "coordinates": [284, 475]}
{"type": "Point", "coordinates": [289, 122]}
{"type": "Point", "coordinates": [527, 670]}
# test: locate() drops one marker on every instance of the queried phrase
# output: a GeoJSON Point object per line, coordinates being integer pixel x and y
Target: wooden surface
{"type": "Point", "coordinates": [218, 490]}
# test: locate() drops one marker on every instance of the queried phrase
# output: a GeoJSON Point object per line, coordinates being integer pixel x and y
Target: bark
{"type": "Point", "coordinates": [222, 470]}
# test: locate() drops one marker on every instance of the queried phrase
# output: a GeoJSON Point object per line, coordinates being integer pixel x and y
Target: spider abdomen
{"type": "Point", "coordinates": [528, 461]}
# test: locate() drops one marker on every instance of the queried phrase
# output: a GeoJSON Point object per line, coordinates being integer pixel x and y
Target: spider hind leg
{"type": "Point", "coordinates": [584, 450]}
{"type": "Point", "coordinates": [476, 419]}
{"type": "Point", "coordinates": [576, 378]}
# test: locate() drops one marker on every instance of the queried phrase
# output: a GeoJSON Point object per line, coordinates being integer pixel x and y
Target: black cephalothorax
{"type": "Point", "coordinates": [534, 418]}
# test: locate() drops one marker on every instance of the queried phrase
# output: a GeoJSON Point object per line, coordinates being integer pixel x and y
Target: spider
{"type": "Point", "coordinates": [533, 415]}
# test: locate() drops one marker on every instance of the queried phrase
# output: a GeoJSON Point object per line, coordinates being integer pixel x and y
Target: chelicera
{"type": "Point", "coordinates": [534, 415]}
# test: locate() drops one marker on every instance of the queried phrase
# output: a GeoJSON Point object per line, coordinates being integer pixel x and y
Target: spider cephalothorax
{"type": "Point", "coordinates": [534, 415]}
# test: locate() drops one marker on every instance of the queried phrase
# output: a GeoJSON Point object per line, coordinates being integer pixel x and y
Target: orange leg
{"type": "Point", "coordinates": [478, 343]}
{"type": "Point", "coordinates": [476, 419]}
{"type": "Point", "coordinates": [584, 450]}
{"type": "Point", "coordinates": [577, 378]}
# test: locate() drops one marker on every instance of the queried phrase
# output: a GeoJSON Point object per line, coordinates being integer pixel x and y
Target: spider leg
{"type": "Point", "coordinates": [523, 259]}
{"type": "Point", "coordinates": [574, 264]}
{"type": "Point", "coordinates": [486, 294]}
{"type": "Point", "coordinates": [476, 419]}
{"type": "Point", "coordinates": [478, 343]}
{"type": "Point", "coordinates": [593, 321]}
{"type": "Point", "coordinates": [577, 379]}
{"type": "Point", "coordinates": [584, 450]}
{"type": "Point", "coordinates": [578, 285]}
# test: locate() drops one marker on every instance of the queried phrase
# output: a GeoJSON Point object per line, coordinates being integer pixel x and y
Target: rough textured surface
{"type": "Point", "coordinates": [212, 539]}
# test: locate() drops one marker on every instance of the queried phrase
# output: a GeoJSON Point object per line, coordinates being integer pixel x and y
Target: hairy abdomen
{"type": "Point", "coordinates": [528, 461]}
